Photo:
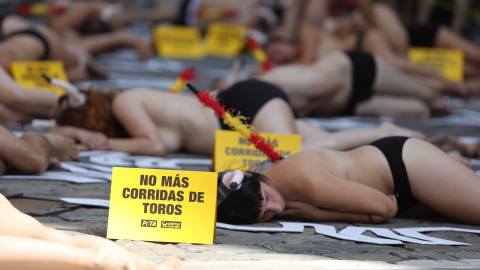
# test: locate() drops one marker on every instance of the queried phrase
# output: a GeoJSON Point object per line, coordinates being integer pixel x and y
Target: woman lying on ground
{"type": "Point", "coordinates": [355, 83]}
{"type": "Point", "coordinates": [22, 40]}
{"type": "Point", "coordinates": [371, 184]}
{"type": "Point", "coordinates": [315, 43]}
{"type": "Point", "coordinates": [26, 244]}
{"type": "Point", "coordinates": [149, 122]}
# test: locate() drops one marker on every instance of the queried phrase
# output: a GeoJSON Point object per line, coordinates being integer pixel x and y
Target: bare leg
{"type": "Point", "coordinates": [393, 106]}
{"type": "Point", "coordinates": [375, 43]}
{"type": "Point", "coordinates": [316, 138]}
{"type": "Point", "coordinates": [275, 116]}
{"type": "Point", "coordinates": [34, 102]}
{"type": "Point", "coordinates": [391, 27]}
{"type": "Point", "coordinates": [441, 182]}
{"type": "Point", "coordinates": [110, 41]}
{"type": "Point", "coordinates": [391, 81]}
{"type": "Point", "coordinates": [27, 244]}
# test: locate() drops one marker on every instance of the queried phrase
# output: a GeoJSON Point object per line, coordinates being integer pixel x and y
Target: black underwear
{"type": "Point", "coordinates": [248, 97]}
{"type": "Point", "coordinates": [36, 34]}
{"type": "Point", "coordinates": [422, 35]}
{"type": "Point", "coordinates": [392, 148]}
{"type": "Point", "coordinates": [364, 71]}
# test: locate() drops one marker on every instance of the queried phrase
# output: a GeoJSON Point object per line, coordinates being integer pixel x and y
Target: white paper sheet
{"type": "Point", "coordinates": [56, 176]}
{"type": "Point", "coordinates": [85, 201]}
{"type": "Point", "coordinates": [356, 233]}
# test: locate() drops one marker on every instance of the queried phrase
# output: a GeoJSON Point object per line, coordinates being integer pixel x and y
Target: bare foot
{"type": "Point", "coordinates": [63, 148]}
{"type": "Point", "coordinates": [389, 129]}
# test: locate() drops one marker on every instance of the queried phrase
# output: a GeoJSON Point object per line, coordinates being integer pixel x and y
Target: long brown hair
{"type": "Point", "coordinates": [96, 114]}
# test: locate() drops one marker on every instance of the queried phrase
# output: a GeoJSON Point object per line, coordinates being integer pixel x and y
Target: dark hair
{"type": "Point", "coordinates": [242, 206]}
{"type": "Point", "coordinates": [95, 115]}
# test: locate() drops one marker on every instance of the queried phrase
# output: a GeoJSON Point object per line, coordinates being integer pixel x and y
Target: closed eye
{"type": "Point", "coordinates": [266, 196]}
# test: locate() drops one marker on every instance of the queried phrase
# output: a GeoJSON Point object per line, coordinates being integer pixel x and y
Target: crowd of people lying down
{"type": "Point", "coordinates": [330, 58]}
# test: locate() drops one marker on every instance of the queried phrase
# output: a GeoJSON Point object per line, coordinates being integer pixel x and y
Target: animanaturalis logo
{"type": "Point", "coordinates": [171, 224]}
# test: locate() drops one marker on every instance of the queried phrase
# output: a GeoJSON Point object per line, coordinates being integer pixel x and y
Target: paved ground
{"type": "Point", "coordinates": [260, 250]}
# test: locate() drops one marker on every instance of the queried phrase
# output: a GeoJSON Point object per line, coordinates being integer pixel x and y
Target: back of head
{"type": "Point", "coordinates": [96, 114]}
{"type": "Point", "coordinates": [243, 205]}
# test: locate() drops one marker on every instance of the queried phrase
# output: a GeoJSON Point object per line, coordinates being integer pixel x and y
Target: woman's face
{"type": "Point", "coordinates": [272, 203]}
{"type": "Point", "coordinates": [281, 52]}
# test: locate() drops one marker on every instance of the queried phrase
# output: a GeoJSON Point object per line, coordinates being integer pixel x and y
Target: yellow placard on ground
{"type": "Point", "coordinates": [234, 152]}
{"type": "Point", "coordinates": [29, 74]}
{"type": "Point", "coordinates": [225, 40]}
{"type": "Point", "coordinates": [178, 42]}
{"type": "Point", "coordinates": [162, 205]}
{"type": "Point", "coordinates": [448, 62]}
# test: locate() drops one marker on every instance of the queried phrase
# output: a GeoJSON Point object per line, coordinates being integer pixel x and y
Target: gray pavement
{"type": "Point", "coordinates": [234, 249]}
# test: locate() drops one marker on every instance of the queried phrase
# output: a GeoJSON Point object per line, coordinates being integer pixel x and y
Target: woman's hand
{"type": "Point", "coordinates": [93, 140]}
{"type": "Point", "coordinates": [394, 205]}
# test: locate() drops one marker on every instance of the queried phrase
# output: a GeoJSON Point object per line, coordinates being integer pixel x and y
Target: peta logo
{"type": "Point", "coordinates": [149, 223]}
{"type": "Point", "coordinates": [171, 224]}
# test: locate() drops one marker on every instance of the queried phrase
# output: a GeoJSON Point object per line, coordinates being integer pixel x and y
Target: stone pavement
{"type": "Point", "coordinates": [262, 250]}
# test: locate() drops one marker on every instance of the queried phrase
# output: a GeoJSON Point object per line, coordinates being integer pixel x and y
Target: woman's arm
{"type": "Point", "coordinates": [145, 136]}
{"type": "Point", "coordinates": [310, 36]}
{"type": "Point", "coordinates": [306, 212]}
{"type": "Point", "coordinates": [325, 190]}
{"type": "Point", "coordinates": [90, 140]}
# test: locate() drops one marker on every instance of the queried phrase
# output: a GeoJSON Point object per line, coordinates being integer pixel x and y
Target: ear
{"type": "Point", "coordinates": [233, 180]}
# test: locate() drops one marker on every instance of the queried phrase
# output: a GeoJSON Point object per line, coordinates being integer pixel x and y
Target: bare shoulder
{"type": "Point", "coordinates": [298, 163]}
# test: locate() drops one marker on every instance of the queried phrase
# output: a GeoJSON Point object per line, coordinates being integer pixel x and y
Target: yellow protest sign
{"type": "Point", "coordinates": [234, 152]}
{"type": "Point", "coordinates": [162, 205]}
{"type": "Point", "coordinates": [29, 74]}
{"type": "Point", "coordinates": [448, 62]}
{"type": "Point", "coordinates": [225, 40]}
{"type": "Point", "coordinates": [178, 42]}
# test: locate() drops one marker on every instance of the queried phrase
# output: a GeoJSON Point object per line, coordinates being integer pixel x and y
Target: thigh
{"type": "Point", "coordinates": [275, 116]}
{"type": "Point", "coordinates": [391, 80]}
{"type": "Point", "coordinates": [391, 26]}
{"type": "Point", "coordinates": [393, 106]}
{"type": "Point", "coordinates": [441, 182]}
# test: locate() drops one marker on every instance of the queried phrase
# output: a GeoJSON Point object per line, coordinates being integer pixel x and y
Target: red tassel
{"type": "Point", "coordinates": [210, 102]}
{"type": "Point", "coordinates": [187, 74]}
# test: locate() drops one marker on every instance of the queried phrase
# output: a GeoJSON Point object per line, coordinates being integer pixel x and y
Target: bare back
{"type": "Point", "coordinates": [365, 165]}
{"type": "Point", "coordinates": [181, 120]}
